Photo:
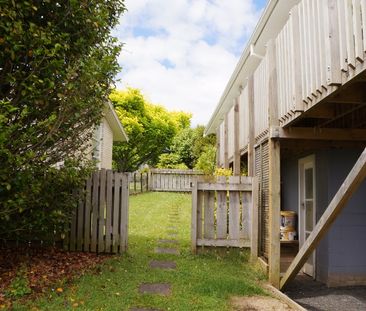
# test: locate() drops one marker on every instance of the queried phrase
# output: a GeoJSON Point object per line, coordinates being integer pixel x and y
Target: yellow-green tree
{"type": "Point", "coordinates": [150, 128]}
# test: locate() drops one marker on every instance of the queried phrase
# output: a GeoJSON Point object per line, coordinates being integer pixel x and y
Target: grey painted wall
{"type": "Point", "coordinates": [341, 255]}
{"type": "Point", "coordinates": [347, 239]}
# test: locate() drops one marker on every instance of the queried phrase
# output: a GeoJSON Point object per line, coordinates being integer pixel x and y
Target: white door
{"type": "Point", "coordinates": [307, 205]}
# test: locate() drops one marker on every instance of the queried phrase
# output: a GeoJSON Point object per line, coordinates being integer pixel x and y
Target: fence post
{"type": "Point", "coordinates": [147, 181]}
{"type": "Point", "coordinates": [194, 218]}
{"type": "Point", "coordinates": [101, 210]}
{"type": "Point", "coordinates": [134, 182]}
{"type": "Point", "coordinates": [124, 212]}
{"type": "Point", "coordinates": [141, 183]}
{"type": "Point", "coordinates": [255, 221]}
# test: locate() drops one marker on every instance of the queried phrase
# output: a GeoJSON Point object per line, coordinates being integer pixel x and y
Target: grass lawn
{"type": "Point", "coordinates": [201, 282]}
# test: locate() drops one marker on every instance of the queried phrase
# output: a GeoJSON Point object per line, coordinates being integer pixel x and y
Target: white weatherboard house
{"type": "Point", "coordinates": [294, 111]}
{"type": "Point", "coordinates": [109, 130]}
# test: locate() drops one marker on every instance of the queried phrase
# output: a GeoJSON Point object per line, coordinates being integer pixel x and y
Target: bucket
{"type": "Point", "coordinates": [288, 219]}
{"type": "Point", "coordinates": [288, 234]}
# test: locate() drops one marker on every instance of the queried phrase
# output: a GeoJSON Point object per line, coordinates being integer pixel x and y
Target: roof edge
{"type": "Point", "coordinates": [243, 59]}
{"type": "Point", "coordinates": [119, 133]}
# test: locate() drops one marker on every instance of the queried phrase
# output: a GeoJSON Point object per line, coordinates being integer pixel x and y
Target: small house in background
{"type": "Point", "coordinates": [294, 113]}
{"type": "Point", "coordinates": [109, 130]}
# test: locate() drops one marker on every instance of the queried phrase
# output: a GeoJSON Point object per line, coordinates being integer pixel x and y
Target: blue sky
{"type": "Point", "coordinates": [181, 53]}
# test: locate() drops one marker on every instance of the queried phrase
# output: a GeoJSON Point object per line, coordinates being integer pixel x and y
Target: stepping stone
{"type": "Point", "coordinates": [166, 265]}
{"type": "Point", "coordinates": [172, 234]}
{"type": "Point", "coordinates": [162, 289]}
{"type": "Point", "coordinates": [161, 250]}
{"type": "Point", "coordinates": [143, 309]}
{"type": "Point", "coordinates": [172, 228]}
{"type": "Point", "coordinates": [168, 241]}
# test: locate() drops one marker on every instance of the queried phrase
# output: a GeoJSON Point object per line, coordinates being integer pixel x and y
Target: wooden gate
{"type": "Point", "coordinates": [172, 180]}
{"type": "Point", "coordinates": [100, 222]}
{"type": "Point", "coordinates": [222, 212]}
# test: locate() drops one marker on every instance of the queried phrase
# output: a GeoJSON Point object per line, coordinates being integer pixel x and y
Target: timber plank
{"type": "Point", "coordinates": [101, 211]}
{"type": "Point", "coordinates": [274, 176]}
{"type": "Point", "coordinates": [115, 221]}
{"type": "Point", "coordinates": [357, 27]}
{"type": "Point", "coordinates": [363, 12]}
{"type": "Point", "coordinates": [254, 241]}
{"type": "Point", "coordinates": [209, 201]}
{"type": "Point", "coordinates": [351, 58]}
{"type": "Point", "coordinates": [251, 139]}
{"type": "Point", "coordinates": [195, 222]}
{"type": "Point", "coordinates": [224, 187]}
{"type": "Point", "coordinates": [80, 224]}
{"type": "Point", "coordinates": [123, 211]}
{"type": "Point", "coordinates": [199, 220]}
{"type": "Point", "coordinates": [88, 201]}
{"type": "Point", "coordinates": [223, 243]}
{"type": "Point", "coordinates": [246, 214]}
{"type": "Point", "coordinates": [108, 225]}
{"type": "Point", "coordinates": [221, 211]}
{"type": "Point", "coordinates": [236, 138]}
{"type": "Point", "coordinates": [234, 210]}
{"type": "Point", "coordinates": [94, 218]}
{"type": "Point", "coordinates": [226, 143]}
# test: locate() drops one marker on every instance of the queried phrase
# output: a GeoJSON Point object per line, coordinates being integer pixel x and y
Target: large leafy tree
{"type": "Point", "coordinates": [57, 61]}
{"type": "Point", "coordinates": [150, 129]}
{"type": "Point", "coordinates": [188, 146]}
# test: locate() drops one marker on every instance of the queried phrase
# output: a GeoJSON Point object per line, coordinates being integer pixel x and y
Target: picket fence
{"type": "Point", "coordinates": [100, 222]}
{"type": "Point", "coordinates": [172, 180]}
{"type": "Point", "coordinates": [222, 212]}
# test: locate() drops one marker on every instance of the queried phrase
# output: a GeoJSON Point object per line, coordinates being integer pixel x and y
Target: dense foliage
{"type": "Point", "coordinates": [150, 128]}
{"type": "Point", "coordinates": [57, 62]}
{"type": "Point", "coordinates": [191, 149]}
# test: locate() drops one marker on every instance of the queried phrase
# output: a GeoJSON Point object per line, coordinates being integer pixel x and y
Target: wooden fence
{"type": "Point", "coordinates": [172, 180]}
{"type": "Point", "coordinates": [222, 213]}
{"type": "Point", "coordinates": [100, 222]}
{"type": "Point", "coordinates": [138, 182]}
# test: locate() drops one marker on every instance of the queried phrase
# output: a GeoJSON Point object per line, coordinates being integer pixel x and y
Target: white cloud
{"type": "Point", "coordinates": [181, 53]}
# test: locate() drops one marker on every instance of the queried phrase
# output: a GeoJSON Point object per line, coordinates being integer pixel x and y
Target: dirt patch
{"type": "Point", "coordinates": [258, 303]}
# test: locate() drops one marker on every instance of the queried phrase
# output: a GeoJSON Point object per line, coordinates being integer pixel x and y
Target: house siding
{"type": "Point", "coordinates": [341, 255]}
{"type": "Point", "coordinates": [106, 146]}
{"type": "Point", "coordinates": [347, 239]}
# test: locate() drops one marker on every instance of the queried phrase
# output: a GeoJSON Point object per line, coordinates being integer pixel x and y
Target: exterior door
{"type": "Point", "coordinates": [307, 206]}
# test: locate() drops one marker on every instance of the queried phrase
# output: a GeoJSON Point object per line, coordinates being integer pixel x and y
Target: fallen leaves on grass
{"type": "Point", "coordinates": [45, 268]}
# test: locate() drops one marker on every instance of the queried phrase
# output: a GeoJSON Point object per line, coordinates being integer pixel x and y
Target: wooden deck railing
{"type": "Point", "coordinates": [321, 47]}
{"type": "Point", "coordinates": [261, 80]}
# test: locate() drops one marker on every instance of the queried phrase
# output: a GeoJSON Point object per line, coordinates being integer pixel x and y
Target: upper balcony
{"type": "Point", "coordinates": [318, 61]}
